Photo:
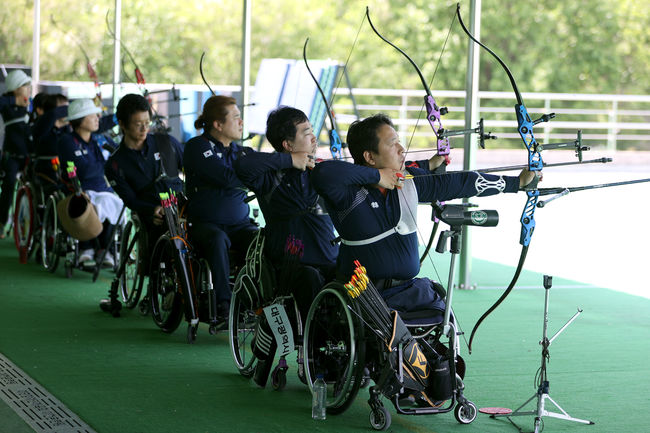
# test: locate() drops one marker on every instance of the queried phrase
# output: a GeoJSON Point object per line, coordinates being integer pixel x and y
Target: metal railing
{"type": "Point", "coordinates": [609, 121]}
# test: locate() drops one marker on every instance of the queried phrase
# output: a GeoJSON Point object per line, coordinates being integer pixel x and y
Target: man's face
{"type": "Point", "coordinates": [390, 152]}
{"type": "Point", "coordinates": [139, 124]}
{"type": "Point", "coordinates": [305, 140]}
{"type": "Point", "coordinates": [231, 129]}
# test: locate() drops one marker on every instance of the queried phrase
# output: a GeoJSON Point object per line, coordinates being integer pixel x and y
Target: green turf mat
{"type": "Point", "coordinates": [125, 375]}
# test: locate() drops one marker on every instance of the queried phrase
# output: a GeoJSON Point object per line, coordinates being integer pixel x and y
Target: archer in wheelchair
{"type": "Point", "coordinates": [188, 256]}
{"type": "Point", "coordinates": [373, 207]}
{"type": "Point", "coordinates": [143, 166]}
{"type": "Point", "coordinates": [81, 147]}
{"type": "Point", "coordinates": [218, 210]}
{"type": "Point", "coordinates": [14, 104]}
{"type": "Point", "coordinates": [296, 248]}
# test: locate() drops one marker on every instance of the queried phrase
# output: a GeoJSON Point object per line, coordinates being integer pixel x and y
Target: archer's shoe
{"type": "Point", "coordinates": [109, 261]}
{"type": "Point", "coordinates": [87, 255]}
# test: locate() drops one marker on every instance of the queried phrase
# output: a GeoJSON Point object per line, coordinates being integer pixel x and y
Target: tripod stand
{"type": "Point", "coordinates": [542, 393]}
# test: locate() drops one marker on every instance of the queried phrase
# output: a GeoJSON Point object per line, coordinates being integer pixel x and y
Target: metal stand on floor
{"type": "Point", "coordinates": [542, 393]}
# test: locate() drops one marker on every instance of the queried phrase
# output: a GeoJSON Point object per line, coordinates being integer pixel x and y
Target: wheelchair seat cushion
{"type": "Point", "coordinates": [418, 294]}
{"type": "Point", "coordinates": [422, 317]}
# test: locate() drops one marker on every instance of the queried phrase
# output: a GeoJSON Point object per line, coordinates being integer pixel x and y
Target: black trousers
{"type": "Point", "coordinates": [214, 241]}
{"type": "Point", "coordinates": [304, 282]}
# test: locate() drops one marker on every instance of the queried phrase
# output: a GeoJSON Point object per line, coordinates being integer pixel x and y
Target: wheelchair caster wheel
{"type": "Point", "coordinates": [191, 333]}
{"type": "Point", "coordinates": [144, 306]}
{"type": "Point", "coordinates": [465, 412]}
{"type": "Point", "coordinates": [380, 418]}
{"type": "Point", "coordinates": [365, 379]}
{"type": "Point", "coordinates": [279, 378]}
{"type": "Point", "coordinates": [68, 270]}
{"type": "Point", "coordinates": [212, 330]}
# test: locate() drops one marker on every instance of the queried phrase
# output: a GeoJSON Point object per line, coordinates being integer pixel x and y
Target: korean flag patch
{"type": "Point", "coordinates": [77, 153]}
{"type": "Point", "coordinates": [156, 156]}
{"type": "Point", "coordinates": [207, 154]}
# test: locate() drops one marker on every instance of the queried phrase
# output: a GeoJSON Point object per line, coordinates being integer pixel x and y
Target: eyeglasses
{"type": "Point", "coordinates": [141, 125]}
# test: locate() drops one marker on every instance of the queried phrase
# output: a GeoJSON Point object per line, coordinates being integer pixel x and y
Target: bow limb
{"type": "Point", "coordinates": [335, 139]}
{"type": "Point", "coordinates": [535, 163]}
{"type": "Point", "coordinates": [139, 77]}
{"type": "Point", "coordinates": [525, 128]}
{"type": "Point", "coordinates": [89, 67]}
{"type": "Point", "coordinates": [524, 122]}
{"type": "Point", "coordinates": [434, 112]}
{"type": "Point", "coordinates": [520, 265]}
{"type": "Point", "coordinates": [203, 76]}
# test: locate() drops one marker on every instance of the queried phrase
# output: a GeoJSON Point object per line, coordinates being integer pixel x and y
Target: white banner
{"type": "Point", "coordinates": [276, 316]}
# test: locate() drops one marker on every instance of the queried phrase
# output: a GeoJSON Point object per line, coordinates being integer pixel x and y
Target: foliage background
{"type": "Point", "coordinates": [588, 46]}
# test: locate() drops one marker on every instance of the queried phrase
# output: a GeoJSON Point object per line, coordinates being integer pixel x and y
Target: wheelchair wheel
{"type": "Point", "coordinates": [380, 418]}
{"type": "Point", "coordinates": [132, 278]}
{"type": "Point", "coordinates": [166, 304]}
{"type": "Point", "coordinates": [465, 412]}
{"type": "Point", "coordinates": [51, 236]}
{"type": "Point", "coordinates": [334, 346]}
{"type": "Point", "coordinates": [24, 222]}
{"type": "Point", "coordinates": [242, 322]}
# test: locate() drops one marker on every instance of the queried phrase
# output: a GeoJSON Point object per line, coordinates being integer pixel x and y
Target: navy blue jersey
{"type": "Point", "coordinates": [290, 205]}
{"type": "Point", "coordinates": [132, 173]}
{"type": "Point", "coordinates": [46, 135]}
{"type": "Point", "coordinates": [87, 158]}
{"type": "Point", "coordinates": [18, 134]}
{"type": "Point", "coordinates": [214, 191]}
{"type": "Point", "coordinates": [361, 211]}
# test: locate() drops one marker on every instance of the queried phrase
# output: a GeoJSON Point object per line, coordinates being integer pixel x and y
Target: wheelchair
{"type": "Point", "coordinates": [180, 282]}
{"type": "Point", "coordinates": [131, 266]}
{"type": "Point", "coordinates": [264, 319]}
{"type": "Point", "coordinates": [56, 243]}
{"type": "Point", "coordinates": [132, 269]}
{"type": "Point", "coordinates": [413, 358]}
{"type": "Point", "coordinates": [27, 211]}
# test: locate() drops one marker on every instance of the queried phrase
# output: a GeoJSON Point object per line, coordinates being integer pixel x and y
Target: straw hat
{"type": "Point", "coordinates": [79, 218]}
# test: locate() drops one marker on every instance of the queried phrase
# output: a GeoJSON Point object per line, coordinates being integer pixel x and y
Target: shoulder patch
{"type": "Point", "coordinates": [156, 156]}
{"type": "Point", "coordinates": [207, 154]}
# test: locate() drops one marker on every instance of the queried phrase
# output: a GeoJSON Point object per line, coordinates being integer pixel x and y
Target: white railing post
{"type": "Point", "coordinates": [403, 115]}
{"type": "Point", "coordinates": [547, 125]}
{"type": "Point", "coordinates": [612, 131]}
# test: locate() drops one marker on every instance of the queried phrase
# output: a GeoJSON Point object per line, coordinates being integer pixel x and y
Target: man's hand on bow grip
{"type": "Point", "coordinates": [438, 162]}
{"type": "Point", "coordinates": [528, 179]}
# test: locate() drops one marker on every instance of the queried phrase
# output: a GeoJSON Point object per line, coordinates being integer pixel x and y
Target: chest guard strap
{"type": "Point", "coordinates": [407, 224]}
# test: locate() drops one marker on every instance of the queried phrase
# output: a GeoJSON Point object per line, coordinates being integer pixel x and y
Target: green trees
{"type": "Point", "coordinates": [591, 46]}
